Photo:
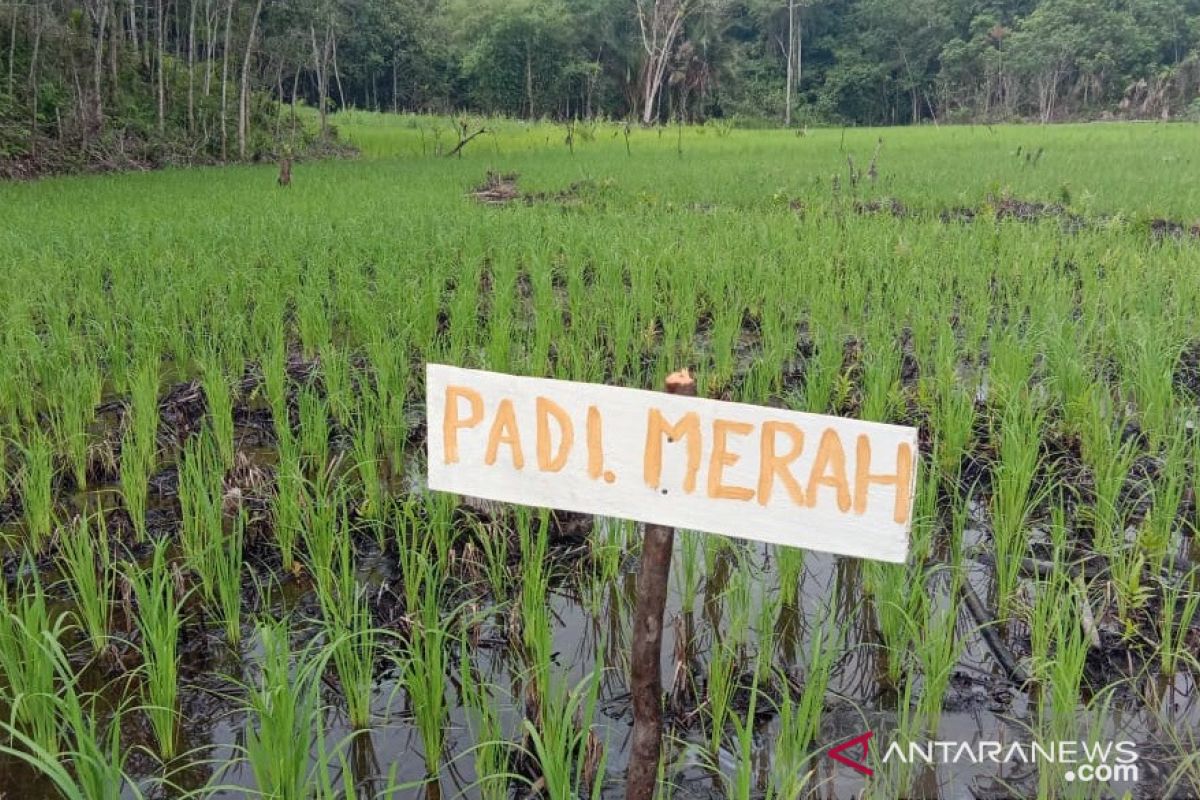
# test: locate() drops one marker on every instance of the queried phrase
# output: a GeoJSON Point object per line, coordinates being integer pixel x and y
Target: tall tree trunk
{"type": "Point", "coordinates": [319, 66]}
{"type": "Point", "coordinates": [279, 95]}
{"type": "Point", "coordinates": [337, 76]}
{"type": "Point", "coordinates": [295, 90]}
{"type": "Point", "coordinates": [133, 29]}
{"type": "Point", "coordinates": [799, 51]}
{"type": "Point", "coordinates": [529, 80]}
{"type": "Point", "coordinates": [162, 83]}
{"type": "Point", "coordinates": [33, 80]}
{"type": "Point", "coordinates": [244, 99]}
{"type": "Point", "coordinates": [791, 49]}
{"type": "Point", "coordinates": [192, 67]}
{"type": "Point", "coordinates": [225, 82]}
{"type": "Point", "coordinates": [98, 66]}
{"type": "Point", "coordinates": [659, 33]}
{"type": "Point", "coordinates": [146, 34]}
{"type": "Point", "coordinates": [116, 33]}
{"type": "Point", "coordinates": [210, 43]}
{"type": "Point", "coordinates": [395, 86]}
{"type": "Point", "coordinates": [12, 50]}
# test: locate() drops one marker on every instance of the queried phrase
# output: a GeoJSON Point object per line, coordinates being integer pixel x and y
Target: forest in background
{"type": "Point", "coordinates": [127, 82]}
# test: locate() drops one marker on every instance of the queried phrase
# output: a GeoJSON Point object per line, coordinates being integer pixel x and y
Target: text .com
{"type": "Point", "coordinates": [1084, 761]}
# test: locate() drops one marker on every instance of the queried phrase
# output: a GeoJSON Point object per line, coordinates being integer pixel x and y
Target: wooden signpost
{"type": "Point", "coordinates": [671, 460]}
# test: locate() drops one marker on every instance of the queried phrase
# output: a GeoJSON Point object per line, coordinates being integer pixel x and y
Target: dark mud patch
{"type": "Point", "coordinates": [573, 195]}
{"type": "Point", "coordinates": [884, 205]}
{"type": "Point", "coordinates": [500, 189]}
{"type": "Point", "coordinates": [997, 208]}
{"type": "Point", "coordinates": [497, 189]}
{"type": "Point", "coordinates": [957, 214]}
{"type": "Point", "coordinates": [1161, 228]}
{"type": "Point", "coordinates": [1186, 376]}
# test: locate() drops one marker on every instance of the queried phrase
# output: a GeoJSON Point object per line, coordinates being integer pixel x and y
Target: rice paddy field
{"type": "Point", "coordinates": [223, 576]}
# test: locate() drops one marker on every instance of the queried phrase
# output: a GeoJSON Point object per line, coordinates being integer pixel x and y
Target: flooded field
{"type": "Point", "coordinates": [224, 576]}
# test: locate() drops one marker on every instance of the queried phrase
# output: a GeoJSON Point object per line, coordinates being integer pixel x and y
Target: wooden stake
{"type": "Point", "coordinates": [645, 678]}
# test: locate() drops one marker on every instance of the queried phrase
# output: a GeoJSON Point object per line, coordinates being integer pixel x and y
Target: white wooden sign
{"type": "Point", "coordinates": [806, 480]}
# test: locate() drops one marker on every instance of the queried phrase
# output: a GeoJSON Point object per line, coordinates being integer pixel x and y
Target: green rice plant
{"type": "Point", "coordinates": [424, 663]}
{"type": "Point", "coordinates": [789, 565]}
{"type": "Point", "coordinates": [314, 428]}
{"type": "Point", "coordinates": [1105, 514]}
{"type": "Point", "coordinates": [688, 574]}
{"type": "Point", "coordinates": [719, 688]}
{"type": "Point", "coordinates": [601, 568]}
{"type": "Point", "coordinates": [289, 504]}
{"type": "Point", "coordinates": [1058, 711]}
{"type": "Point", "coordinates": [738, 598]}
{"type": "Point", "coordinates": [159, 621]}
{"type": "Point", "coordinates": [537, 641]}
{"type": "Point", "coordinates": [1180, 602]}
{"type": "Point", "coordinates": [1149, 368]}
{"type": "Point", "coordinates": [881, 398]}
{"type": "Point", "coordinates": [1014, 495]}
{"type": "Point", "coordinates": [1011, 361]}
{"type": "Point", "coordinates": [743, 783]}
{"type": "Point", "coordinates": [87, 567]}
{"type": "Point", "coordinates": [72, 408]}
{"type": "Point", "coordinates": [926, 515]}
{"type": "Point", "coordinates": [822, 371]}
{"type": "Point", "coordinates": [335, 373]}
{"type": "Point", "coordinates": [791, 769]}
{"type": "Point", "coordinates": [391, 386]}
{"type": "Point", "coordinates": [1186, 773]}
{"type": "Point", "coordinates": [201, 499]}
{"type": "Point", "coordinates": [800, 721]}
{"type": "Point", "coordinates": [898, 596]}
{"type": "Point", "coordinates": [227, 570]}
{"type": "Point", "coordinates": [413, 547]}
{"type": "Point", "coordinates": [937, 650]}
{"type": "Point", "coordinates": [895, 777]}
{"type": "Point", "coordinates": [1048, 598]}
{"type": "Point", "coordinates": [90, 763]}
{"type": "Point", "coordinates": [353, 645]}
{"type": "Point", "coordinates": [1070, 656]}
{"type": "Point", "coordinates": [766, 633]}
{"type": "Point", "coordinates": [1157, 533]}
{"type": "Point", "coordinates": [1130, 586]}
{"type": "Point", "coordinates": [37, 499]}
{"type": "Point", "coordinates": [492, 753]}
{"type": "Point", "coordinates": [330, 550]}
{"type": "Point", "coordinates": [953, 411]}
{"type": "Point", "coordinates": [139, 444]}
{"type": "Point", "coordinates": [726, 327]}
{"type": "Point", "coordinates": [569, 756]}
{"type": "Point", "coordinates": [496, 568]}
{"type": "Point", "coordinates": [29, 635]}
{"type": "Point", "coordinates": [312, 312]}
{"type": "Point", "coordinates": [1070, 376]}
{"type": "Point", "coordinates": [367, 462]}
{"type": "Point", "coordinates": [218, 398]}
{"type": "Point", "coordinates": [136, 466]}
{"type": "Point", "coordinates": [284, 717]}
{"type": "Point", "coordinates": [960, 515]}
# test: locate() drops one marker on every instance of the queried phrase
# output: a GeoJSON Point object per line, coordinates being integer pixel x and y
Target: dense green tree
{"type": "Point", "coordinates": [106, 81]}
